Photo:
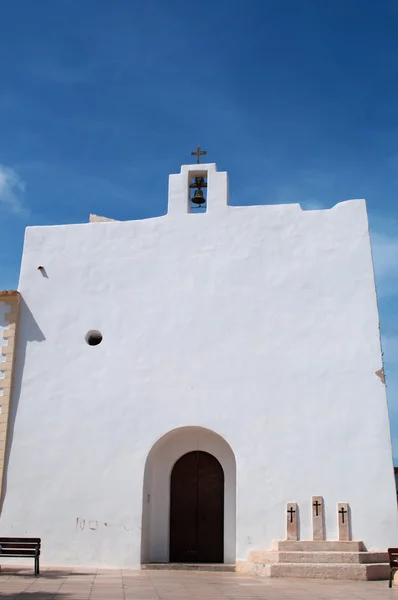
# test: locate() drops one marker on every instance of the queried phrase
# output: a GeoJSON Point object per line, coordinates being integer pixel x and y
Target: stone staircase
{"type": "Point", "coordinates": [317, 560]}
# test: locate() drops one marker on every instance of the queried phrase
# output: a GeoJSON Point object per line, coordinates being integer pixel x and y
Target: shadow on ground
{"type": "Point", "coordinates": [53, 574]}
{"type": "Point", "coordinates": [35, 595]}
{"type": "Point", "coordinates": [16, 584]}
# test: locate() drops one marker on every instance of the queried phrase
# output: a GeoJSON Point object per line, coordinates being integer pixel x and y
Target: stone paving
{"type": "Point", "coordinates": [101, 584]}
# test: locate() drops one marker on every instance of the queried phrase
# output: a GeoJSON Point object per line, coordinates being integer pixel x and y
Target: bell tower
{"type": "Point", "coordinates": [198, 189]}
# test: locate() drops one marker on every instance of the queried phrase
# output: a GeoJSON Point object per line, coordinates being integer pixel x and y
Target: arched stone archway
{"type": "Point", "coordinates": [156, 490]}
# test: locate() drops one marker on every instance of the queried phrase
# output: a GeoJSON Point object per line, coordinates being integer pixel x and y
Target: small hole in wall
{"type": "Point", "coordinates": [93, 338]}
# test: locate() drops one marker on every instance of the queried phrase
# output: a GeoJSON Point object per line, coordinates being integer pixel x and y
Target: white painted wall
{"type": "Point", "coordinates": [258, 323]}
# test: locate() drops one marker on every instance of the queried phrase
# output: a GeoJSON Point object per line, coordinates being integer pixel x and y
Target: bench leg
{"type": "Point", "coordinates": [391, 575]}
{"type": "Point", "coordinates": [37, 570]}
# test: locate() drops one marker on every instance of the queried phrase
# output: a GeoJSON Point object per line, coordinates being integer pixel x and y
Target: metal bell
{"type": "Point", "coordinates": [198, 197]}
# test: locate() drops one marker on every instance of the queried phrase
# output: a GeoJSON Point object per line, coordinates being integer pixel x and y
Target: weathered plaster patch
{"type": "Point", "coordinates": [380, 373]}
{"type": "Point", "coordinates": [99, 219]}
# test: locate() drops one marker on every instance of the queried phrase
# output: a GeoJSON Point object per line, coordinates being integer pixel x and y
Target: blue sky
{"type": "Point", "coordinates": [297, 99]}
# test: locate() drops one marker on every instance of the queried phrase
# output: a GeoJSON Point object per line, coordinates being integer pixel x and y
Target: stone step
{"type": "Point", "coordinates": [189, 567]}
{"type": "Point", "coordinates": [272, 556]}
{"type": "Point", "coordinates": [359, 572]}
{"type": "Point", "coordinates": [244, 567]}
{"type": "Point", "coordinates": [330, 571]}
{"type": "Point", "coordinates": [318, 546]}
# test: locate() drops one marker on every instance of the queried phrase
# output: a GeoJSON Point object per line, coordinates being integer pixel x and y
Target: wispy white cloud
{"type": "Point", "coordinates": [312, 189]}
{"type": "Point", "coordinates": [63, 76]}
{"type": "Point", "coordinates": [390, 346]}
{"type": "Point", "coordinates": [12, 189]}
{"type": "Point", "coordinates": [385, 259]}
{"type": "Point", "coordinates": [385, 253]}
{"type": "Point", "coordinates": [392, 396]}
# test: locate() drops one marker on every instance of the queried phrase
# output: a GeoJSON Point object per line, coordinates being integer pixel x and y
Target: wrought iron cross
{"type": "Point", "coordinates": [198, 153]}
{"type": "Point", "coordinates": [343, 512]}
{"type": "Point", "coordinates": [291, 511]}
{"type": "Point", "coordinates": [317, 505]}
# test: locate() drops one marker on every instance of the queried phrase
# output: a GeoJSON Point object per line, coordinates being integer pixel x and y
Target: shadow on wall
{"type": "Point", "coordinates": [349, 523]}
{"type": "Point", "coordinates": [298, 522]}
{"type": "Point", "coordinates": [28, 331]}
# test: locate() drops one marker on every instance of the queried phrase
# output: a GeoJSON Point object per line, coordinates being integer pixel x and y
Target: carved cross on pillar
{"type": "Point", "coordinates": [291, 522]}
{"type": "Point", "coordinates": [343, 515]}
{"type": "Point", "coordinates": [316, 505]}
{"type": "Point", "coordinates": [318, 525]}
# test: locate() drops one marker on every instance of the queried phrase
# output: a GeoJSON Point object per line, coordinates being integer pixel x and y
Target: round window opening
{"type": "Point", "coordinates": [93, 338]}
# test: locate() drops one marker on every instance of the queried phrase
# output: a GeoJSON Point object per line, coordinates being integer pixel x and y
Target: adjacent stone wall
{"type": "Point", "coordinates": [9, 310]}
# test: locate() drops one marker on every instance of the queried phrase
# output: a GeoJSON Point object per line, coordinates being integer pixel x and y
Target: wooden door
{"type": "Point", "coordinates": [197, 509]}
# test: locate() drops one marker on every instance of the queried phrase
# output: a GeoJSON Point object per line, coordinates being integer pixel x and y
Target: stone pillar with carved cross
{"type": "Point", "coordinates": [344, 521]}
{"type": "Point", "coordinates": [318, 519]}
{"type": "Point", "coordinates": [292, 522]}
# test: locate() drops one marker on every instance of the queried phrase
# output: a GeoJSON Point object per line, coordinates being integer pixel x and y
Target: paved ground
{"type": "Point", "coordinates": [99, 584]}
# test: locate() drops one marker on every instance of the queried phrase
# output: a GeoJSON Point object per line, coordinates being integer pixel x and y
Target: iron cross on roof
{"type": "Point", "coordinates": [198, 153]}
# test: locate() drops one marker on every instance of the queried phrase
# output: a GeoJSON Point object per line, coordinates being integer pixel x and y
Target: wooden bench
{"type": "Point", "coordinates": [393, 560]}
{"type": "Point", "coordinates": [21, 548]}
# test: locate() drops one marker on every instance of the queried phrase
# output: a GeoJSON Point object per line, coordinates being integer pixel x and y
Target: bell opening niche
{"type": "Point", "coordinates": [197, 192]}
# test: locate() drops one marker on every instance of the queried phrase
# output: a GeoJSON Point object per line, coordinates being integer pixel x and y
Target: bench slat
{"type": "Point", "coordinates": [17, 539]}
{"type": "Point", "coordinates": [19, 551]}
{"type": "Point", "coordinates": [19, 545]}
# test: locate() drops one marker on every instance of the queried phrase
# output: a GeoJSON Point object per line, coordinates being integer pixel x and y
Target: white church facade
{"type": "Point", "coordinates": [201, 387]}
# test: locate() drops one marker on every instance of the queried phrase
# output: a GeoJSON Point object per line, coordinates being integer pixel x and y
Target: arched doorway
{"type": "Point", "coordinates": [197, 509]}
{"type": "Point", "coordinates": [161, 459]}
